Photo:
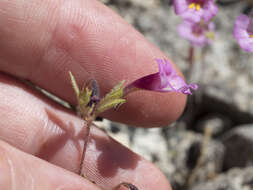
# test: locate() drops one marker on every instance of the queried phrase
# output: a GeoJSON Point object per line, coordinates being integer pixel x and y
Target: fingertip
{"type": "Point", "coordinates": [91, 41]}
{"type": "Point", "coordinates": [150, 109]}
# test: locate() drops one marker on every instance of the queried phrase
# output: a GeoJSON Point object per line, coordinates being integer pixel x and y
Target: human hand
{"type": "Point", "coordinates": [41, 41]}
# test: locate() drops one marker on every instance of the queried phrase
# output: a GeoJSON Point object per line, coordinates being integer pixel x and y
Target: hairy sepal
{"type": "Point", "coordinates": [74, 84]}
{"type": "Point", "coordinates": [112, 99]}
{"type": "Point", "coordinates": [84, 99]}
{"type": "Point", "coordinates": [83, 96]}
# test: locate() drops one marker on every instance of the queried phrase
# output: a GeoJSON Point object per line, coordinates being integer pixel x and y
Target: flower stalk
{"type": "Point", "coordinates": [90, 104]}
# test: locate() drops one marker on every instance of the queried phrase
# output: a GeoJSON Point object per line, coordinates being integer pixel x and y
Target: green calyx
{"type": "Point", "coordinates": [112, 99]}
{"type": "Point", "coordinates": [90, 106]}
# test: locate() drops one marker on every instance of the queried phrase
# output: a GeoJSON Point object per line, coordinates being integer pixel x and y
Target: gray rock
{"type": "Point", "coordinates": [239, 147]}
{"type": "Point", "coordinates": [236, 179]}
{"type": "Point", "coordinates": [218, 123]}
{"type": "Point", "coordinates": [151, 144]}
{"type": "Point", "coordinates": [184, 148]}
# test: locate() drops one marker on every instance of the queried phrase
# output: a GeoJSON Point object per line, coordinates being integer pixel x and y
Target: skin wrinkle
{"type": "Point", "coordinates": [15, 125]}
{"type": "Point", "coordinates": [61, 187]}
{"type": "Point", "coordinates": [46, 124]}
{"type": "Point", "coordinates": [66, 187]}
{"type": "Point", "coordinates": [32, 182]}
{"type": "Point", "coordinates": [55, 143]}
{"type": "Point", "coordinates": [80, 29]}
{"type": "Point", "coordinates": [64, 34]}
{"type": "Point", "coordinates": [70, 30]}
{"type": "Point", "coordinates": [13, 174]}
{"type": "Point", "coordinates": [27, 140]}
{"type": "Point", "coordinates": [47, 176]}
{"type": "Point", "coordinates": [52, 30]}
{"type": "Point", "coordinates": [5, 170]}
{"type": "Point", "coordinates": [72, 188]}
{"type": "Point", "coordinates": [123, 42]}
{"type": "Point", "coordinates": [75, 30]}
{"type": "Point", "coordinates": [37, 135]}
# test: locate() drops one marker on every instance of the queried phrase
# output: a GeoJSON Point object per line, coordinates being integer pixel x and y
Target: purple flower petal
{"type": "Point", "coordinates": [196, 32]}
{"type": "Point", "coordinates": [210, 11]}
{"type": "Point", "coordinates": [166, 80]}
{"type": "Point", "coordinates": [196, 10]}
{"type": "Point", "coordinates": [246, 44]}
{"type": "Point", "coordinates": [180, 6]}
{"type": "Point", "coordinates": [243, 32]}
{"type": "Point", "coordinates": [192, 15]}
{"type": "Point", "coordinates": [242, 21]}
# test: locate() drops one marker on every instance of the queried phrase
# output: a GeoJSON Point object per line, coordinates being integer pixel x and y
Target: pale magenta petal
{"type": "Point", "coordinates": [208, 9]}
{"type": "Point", "coordinates": [180, 6]}
{"type": "Point", "coordinates": [243, 29]}
{"type": "Point", "coordinates": [166, 80]}
{"type": "Point", "coordinates": [242, 21]}
{"type": "Point", "coordinates": [195, 32]}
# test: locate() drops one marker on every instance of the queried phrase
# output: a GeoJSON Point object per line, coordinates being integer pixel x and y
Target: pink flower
{"type": "Point", "coordinates": [195, 10]}
{"type": "Point", "coordinates": [198, 34]}
{"type": "Point", "coordinates": [166, 80]}
{"type": "Point", "coordinates": [243, 31]}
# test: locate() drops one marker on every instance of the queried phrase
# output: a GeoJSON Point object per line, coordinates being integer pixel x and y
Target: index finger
{"type": "Point", "coordinates": [43, 40]}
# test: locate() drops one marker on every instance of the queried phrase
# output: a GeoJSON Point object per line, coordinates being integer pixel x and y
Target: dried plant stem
{"type": "Point", "coordinates": [191, 55]}
{"type": "Point", "coordinates": [86, 140]}
{"type": "Point", "coordinates": [191, 60]}
{"type": "Point", "coordinates": [201, 159]}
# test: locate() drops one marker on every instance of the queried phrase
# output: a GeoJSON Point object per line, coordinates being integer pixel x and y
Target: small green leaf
{"type": "Point", "coordinates": [84, 99]}
{"type": "Point", "coordinates": [109, 104]}
{"type": "Point", "coordinates": [74, 84]}
{"type": "Point", "coordinates": [116, 92]}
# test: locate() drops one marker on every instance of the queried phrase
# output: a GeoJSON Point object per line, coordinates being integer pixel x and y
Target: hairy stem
{"type": "Point", "coordinates": [86, 140]}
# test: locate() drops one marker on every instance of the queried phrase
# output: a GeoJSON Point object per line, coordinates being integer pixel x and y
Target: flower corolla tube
{"type": "Point", "coordinates": [166, 80]}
